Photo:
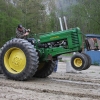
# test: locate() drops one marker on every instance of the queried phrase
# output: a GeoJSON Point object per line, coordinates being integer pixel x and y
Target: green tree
{"type": "Point", "coordinates": [9, 19]}
{"type": "Point", "coordinates": [33, 12]}
{"type": "Point", "coordinates": [85, 14]}
{"type": "Point", "coordinates": [36, 16]}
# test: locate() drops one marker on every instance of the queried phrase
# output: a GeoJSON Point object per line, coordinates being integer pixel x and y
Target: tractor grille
{"type": "Point", "coordinates": [75, 40]}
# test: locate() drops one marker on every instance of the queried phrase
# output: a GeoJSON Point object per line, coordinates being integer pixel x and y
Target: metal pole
{"type": "Point", "coordinates": [65, 21]}
{"type": "Point", "coordinates": [61, 26]}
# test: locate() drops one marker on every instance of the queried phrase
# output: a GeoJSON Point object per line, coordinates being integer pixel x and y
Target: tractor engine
{"type": "Point", "coordinates": [54, 44]}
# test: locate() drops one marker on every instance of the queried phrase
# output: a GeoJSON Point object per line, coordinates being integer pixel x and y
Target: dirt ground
{"type": "Point", "coordinates": [84, 85]}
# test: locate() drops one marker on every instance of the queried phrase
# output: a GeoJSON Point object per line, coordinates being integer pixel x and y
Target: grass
{"type": "Point", "coordinates": [60, 60]}
{"type": "Point", "coordinates": [92, 72]}
{"type": "Point", "coordinates": [96, 63]}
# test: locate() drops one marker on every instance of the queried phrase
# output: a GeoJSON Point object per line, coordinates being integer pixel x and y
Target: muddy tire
{"type": "Point", "coordinates": [19, 60]}
{"type": "Point", "coordinates": [79, 61]}
{"type": "Point", "coordinates": [89, 61]}
{"type": "Point", "coordinates": [45, 69]}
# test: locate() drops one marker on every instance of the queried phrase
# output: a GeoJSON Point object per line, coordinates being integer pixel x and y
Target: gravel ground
{"type": "Point", "coordinates": [84, 85]}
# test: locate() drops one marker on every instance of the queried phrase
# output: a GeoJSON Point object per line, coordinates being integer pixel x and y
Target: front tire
{"type": "Point", "coordinates": [89, 61]}
{"type": "Point", "coordinates": [19, 60]}
{"type": "Point", "coordinates": [79, 61]}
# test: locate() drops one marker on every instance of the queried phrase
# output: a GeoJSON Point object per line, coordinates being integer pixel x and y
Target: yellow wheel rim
{"type": "Point", "coordinates": [78, 62]}
{"type": "Point", "coordinates": [15, 60]}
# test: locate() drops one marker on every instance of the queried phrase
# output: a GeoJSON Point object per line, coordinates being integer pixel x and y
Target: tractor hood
{"type": "Point", "coordinates": [54, 36]}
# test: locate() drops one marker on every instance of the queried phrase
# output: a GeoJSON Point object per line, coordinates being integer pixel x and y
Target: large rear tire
{"type": "Point", "coordinates": [0, 60]}
{"type": "Point", "coordinates": [45, 69]}
{"type": "Point", "coordinates": [79, 61]}
{"type": "Point", "coordinates": [19, 60]}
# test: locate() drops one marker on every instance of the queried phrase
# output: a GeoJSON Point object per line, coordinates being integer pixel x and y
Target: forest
{"type": "Point", "coordinates": [42, 16]}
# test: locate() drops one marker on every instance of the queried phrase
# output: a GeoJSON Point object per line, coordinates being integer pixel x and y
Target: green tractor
{"type": "Point", "coordinates": [35, 57]}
